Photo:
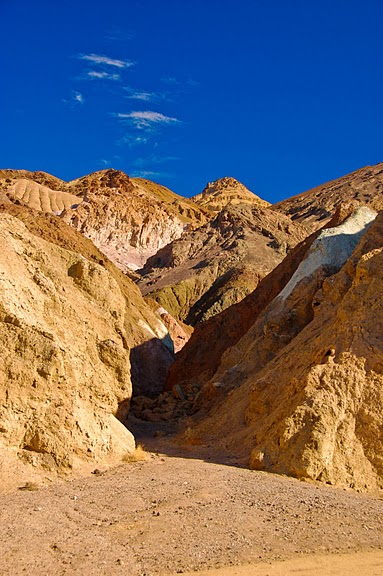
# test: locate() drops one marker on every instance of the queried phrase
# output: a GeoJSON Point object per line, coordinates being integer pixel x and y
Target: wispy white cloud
{"type": "Point", "coordinates": [100, 59]}
{"type": "Point", "coordinates": [146, 119]}
{"type": "Point", "coordinates": [151, 174]}
{"type": "Point", "coordinates": [78, 97]}
{"type": "Point", "coordinates": [75, 99]}
{"type": "Point", "coordinates": [133, 140]}
{"type": "Point", "coordinates": [96, 75]}
{"type": "Point", "coordinates": [153, 159]}
{"type": "Point", "coordinates": [143, 95]}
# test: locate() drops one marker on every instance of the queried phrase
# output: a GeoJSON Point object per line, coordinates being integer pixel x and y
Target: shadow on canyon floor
{"type": "Point", "coordinates": [165, 438]}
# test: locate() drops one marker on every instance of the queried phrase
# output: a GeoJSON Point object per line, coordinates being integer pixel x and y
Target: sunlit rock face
{"type": "Point", "coordinates": [301, 393]}
{"type": "Point", "coordinates": [129, 220]}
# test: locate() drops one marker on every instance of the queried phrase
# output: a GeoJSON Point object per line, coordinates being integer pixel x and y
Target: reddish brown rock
{"type": "Point", "coordinates": [226, 192]}
{"type": "Point", "coordinates": [312, 408]}
{"type": "Point", "coordinates": [217, 265]}
{"type": "Point", "coordinates": [316, 207]}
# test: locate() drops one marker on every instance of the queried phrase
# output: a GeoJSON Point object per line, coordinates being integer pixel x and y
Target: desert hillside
{"type": "Point", "coordinates": [300, 391]}
{"type": "Point", "coordinates": [208, 269]}
{"type": "Point", "coordinates": [128, 220]}
{"type": "Point", "coordinates": [275, 396]}
{"type": "Point", "coordinates": [316, 207]}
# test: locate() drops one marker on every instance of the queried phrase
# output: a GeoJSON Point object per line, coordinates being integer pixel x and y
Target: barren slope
{"type": "Point", "coordinates": [316, 207]}
{"type": "Point", "coordinates": [304, 385]}
{"type": "Point", "coordinates": [128, 220]}
{"type": "Point", "coordinates": [225, 192]}
{"type": "Point", "coordinates": [215, 266]}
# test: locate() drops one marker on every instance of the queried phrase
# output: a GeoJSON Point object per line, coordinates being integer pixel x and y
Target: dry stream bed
{"type": "Point", "coordinates": [189, 511]}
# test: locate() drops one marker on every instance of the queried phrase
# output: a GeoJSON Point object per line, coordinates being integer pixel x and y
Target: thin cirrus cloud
{"type": "Point", "coordinates": [100, 59]}
{"type": "Point", "coordinates": [78, 98]}
{"type": "Point", "coordinates": [75, 99]}
{"type": "Point", "coordinates": [142, 95]}
{"type": "Point", "coordinates": [96, 75]}
{"type": "Point", "coordinates": [145, 96]}
{"type": "Point", "coordinates": [150, 174]}
{"type": "Point", "coordinates": [132, 140]}
{"type": "Point", "coordinates": [147, 119]}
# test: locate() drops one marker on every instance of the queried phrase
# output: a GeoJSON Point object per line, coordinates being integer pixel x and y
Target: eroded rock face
{"type": "Point", "coordinates": [127, 219]}
{"type": "Point", "coordinates": [209, 269]}
{"type": "Point", "coordinates": [316, 207]}
{"type": "Point", "coordinates": [306, 397]}
{"type": "Point", "coordinates": [130, 220]}
{"type": "Point", "coordinates": [70, 327]}
{"type": "Point", "coordinates": [64, 369]}
{"type": "Point", "coordinates": [225, 192]}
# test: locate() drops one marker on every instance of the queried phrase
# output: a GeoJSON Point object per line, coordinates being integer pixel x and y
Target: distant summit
{"type": "Point", "coordinates": [224, 192]}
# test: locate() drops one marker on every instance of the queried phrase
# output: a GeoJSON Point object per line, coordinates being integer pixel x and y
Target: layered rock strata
{"type": "Point", "coordinates": [127, 219]}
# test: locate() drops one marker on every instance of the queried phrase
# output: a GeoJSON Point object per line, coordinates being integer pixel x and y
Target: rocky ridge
{"type": "Point", "coordinates": [208, 269]}
{"type": "Point", "coordinates": [316, 207]}
{"type": "Point", "coordinates": [225, 192]}
{"type": "Point", "coordinates": [301, 392]}
{"type": "Point", "coordinates": [127, 219]}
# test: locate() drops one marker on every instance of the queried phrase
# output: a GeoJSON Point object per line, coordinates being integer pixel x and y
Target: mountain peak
{"type": "Point", "coordinates": [226, 191]}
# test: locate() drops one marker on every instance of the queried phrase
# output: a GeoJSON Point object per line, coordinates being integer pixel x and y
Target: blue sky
{"type": "Point", "coordinates": [283, 95]}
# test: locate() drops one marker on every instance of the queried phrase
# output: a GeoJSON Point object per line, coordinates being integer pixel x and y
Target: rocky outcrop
{"type": "Point", "coordinates": [209, 269]}
{"type": "Point", "coordinates": [73, 329]}
{"type": "Point", "coordinates": [316, 207]}
{"type": "Point", "coordinates": [64, 369]}
{"type": "Point", "coordinates": [225, 192]}
{"type": "Point", "coordinates": [303, 387]}
{"type": "Point", "coordinates": [128, 220]}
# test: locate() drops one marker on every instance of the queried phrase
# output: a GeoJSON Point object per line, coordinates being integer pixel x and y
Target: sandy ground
{"type": "Point", "coordinates": [188, 511]}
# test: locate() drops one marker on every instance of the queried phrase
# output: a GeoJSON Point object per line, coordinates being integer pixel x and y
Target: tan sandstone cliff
{"type": "Point", "coordinates": [75, 335]}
